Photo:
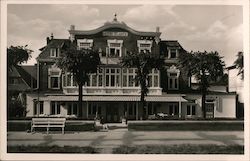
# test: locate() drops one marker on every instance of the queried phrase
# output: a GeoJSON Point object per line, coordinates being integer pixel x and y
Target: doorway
{"type": "Point", "coordinates": [210, 110]}
{"type": "Point", "coordinates": [112, 113]}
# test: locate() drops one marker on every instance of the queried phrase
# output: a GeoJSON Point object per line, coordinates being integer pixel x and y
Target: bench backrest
{"type": "Point", "coordinates": [60, 121]}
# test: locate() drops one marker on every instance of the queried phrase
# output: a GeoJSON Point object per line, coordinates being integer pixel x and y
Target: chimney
{"type": "Point", "coordinates": [157, 29]}
{"type": "Point", "coordinates": [48, 40]}
{"type": "Point", "coordinates": [51, 36]}
{"type": "Point", "coordinates": [72, 27]}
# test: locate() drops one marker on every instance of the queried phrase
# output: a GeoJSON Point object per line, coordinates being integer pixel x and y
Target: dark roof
{"type": "Point", "coordinates": [28, 74]}
{"type": "Point", "coordinates": [54, 43]}
{"type": "Point", "coordinates": [231, 67]}
{"type": "Point", "coordinates": [114, 24]}
{"type": "Point", "coordinates": [164, 44]}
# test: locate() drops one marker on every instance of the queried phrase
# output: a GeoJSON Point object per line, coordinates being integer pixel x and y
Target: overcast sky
{"type": "Point", "coordinates": [196, 27]}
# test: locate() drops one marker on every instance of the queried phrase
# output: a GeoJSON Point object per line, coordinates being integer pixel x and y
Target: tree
{"type": "Point", "coordinates": [144, 63]}
{"type": "Point", "coordinates": [205, 67]}
{"type": "Point", "coordinates": [18, 55]}
{"type": "Point", "coordinates": [80, 63]}
{"type": "Point", "coordinates": [239, 62]}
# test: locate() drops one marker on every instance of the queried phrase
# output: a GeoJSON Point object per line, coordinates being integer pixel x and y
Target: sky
{"type": "Point", "coordinates": [196, 27]}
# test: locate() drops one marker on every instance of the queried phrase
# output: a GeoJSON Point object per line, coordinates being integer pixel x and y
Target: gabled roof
{"type": "Point", "coordinates": [170, 43]}
{"type": "Point", "coordinates": [114, 24]}
{"type": "Point", "coordinates": [28, 73]}
{"type": "Point", "coordinates": [54, 43]}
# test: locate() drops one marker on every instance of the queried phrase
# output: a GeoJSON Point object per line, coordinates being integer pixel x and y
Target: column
{"type": "Point", "coordinates": [87, 110]}
{"type": "Point", "coordinates": [179, 109]}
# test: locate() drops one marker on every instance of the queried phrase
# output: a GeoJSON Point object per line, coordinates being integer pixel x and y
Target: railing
{"type": "Point", "coordinates": [111, 90]}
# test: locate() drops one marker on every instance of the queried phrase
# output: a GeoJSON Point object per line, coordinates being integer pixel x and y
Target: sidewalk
{"type": "Point", "coordinates": [114, 138]}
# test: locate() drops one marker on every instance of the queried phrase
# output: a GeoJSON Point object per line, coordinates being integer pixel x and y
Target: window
{"type": "Point", "coordinates": [172, 53]}
{"type": "Point", "coordinates": [54, 78]}
{"type": "Point", "coordinates": [173, 78]}
{"type": "Point", "coordinates": [54, 52]}
{"type": "Point", "coordinates": [151, 108]}
{"type": "Point", "coordinates": [128, 76]}
{"type": "Point", "coordinates": [153, 78]}
{"type": "Point", "coordinates": [112, 77]}
{"type": "Point", "coordinates": [72, 109]}
{"type": "Point", "coordinates": [144, 45]}
{"type": "Point", "coordinates": [84, 43]}
{"type": "Point", "coordinates": [94, 108]}
{"type": "Point", "coordinates": [55, 108]}
{"type": "Point", "coordinates": [38, 108]}
{"type": "Point", "coordinates": [191, 110]}
{"type": "Point", "coordinates": [114, 48]}
{"type": "Point", "coordinates": [68, 80]}
{"type": "Point", "coordinates": [131, 108]}
{"type": "Point", "coordinates": [173, 109]}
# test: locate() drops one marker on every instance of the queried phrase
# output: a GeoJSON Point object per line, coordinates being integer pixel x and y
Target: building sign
{"type": "Point", "coordinates": [109, 33]}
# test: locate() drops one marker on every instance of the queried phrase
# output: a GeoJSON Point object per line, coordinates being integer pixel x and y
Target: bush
{"type": "Point", "coordinates": [180, 126]}
{"type": "Point", "coordinates": [180, 149]}
{"type": "Point", "coordinates": [51, 149]}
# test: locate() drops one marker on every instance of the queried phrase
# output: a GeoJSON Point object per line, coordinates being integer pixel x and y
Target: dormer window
{"type": "Point", "coordinates": [172, 53]}
{"type": "Point", "coordinates": [84, 43]}
{"type": "Point", "coordinates": [144, 45]}
{"type": "Point", "coordinates": [114, 48]}
{"type": "Point", "coordinates": [54, 52]}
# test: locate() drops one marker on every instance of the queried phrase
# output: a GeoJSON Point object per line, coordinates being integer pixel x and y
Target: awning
{"type": "Point", "coordinates": [176, 98]}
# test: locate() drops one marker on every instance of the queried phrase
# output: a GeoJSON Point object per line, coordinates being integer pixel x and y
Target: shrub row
{"type": "Point", "coordinates": [186, 126]}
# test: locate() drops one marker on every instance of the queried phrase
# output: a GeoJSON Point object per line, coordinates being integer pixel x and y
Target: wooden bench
{"type": "Point", "coordinates": [47, 123]}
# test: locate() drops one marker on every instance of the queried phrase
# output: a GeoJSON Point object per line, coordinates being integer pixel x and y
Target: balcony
{"type": "Point", "coordinates": [111, 90]}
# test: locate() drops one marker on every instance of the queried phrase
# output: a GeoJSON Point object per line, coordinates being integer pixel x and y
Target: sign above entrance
{"type": "Point", "coordinates": [110, 33]}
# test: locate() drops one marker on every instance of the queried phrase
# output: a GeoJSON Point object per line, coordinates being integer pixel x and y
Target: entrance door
{"type": "Point", "coordinates": [112, 113]}
{"type": "Point", "coordinates": [209, 110]}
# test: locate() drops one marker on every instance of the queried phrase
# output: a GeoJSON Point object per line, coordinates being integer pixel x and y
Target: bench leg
{"type": "Point", "coordinates": [62, 130]}
{"type": "Point", "coordinates": [47, 130]}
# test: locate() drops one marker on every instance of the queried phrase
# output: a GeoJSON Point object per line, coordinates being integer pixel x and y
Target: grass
{"type": "Point", "coordinates": [180, 149]}
{"type": "Point", "coordinates": [51, 149]}
{"type": "Point", "coordinates": [176, 126]}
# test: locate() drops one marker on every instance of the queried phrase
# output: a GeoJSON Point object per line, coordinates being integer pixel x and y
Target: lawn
{"type": "Point", "coordinates": [180, 149]}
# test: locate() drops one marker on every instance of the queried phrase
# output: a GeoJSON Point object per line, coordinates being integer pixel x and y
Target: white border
{"type": "Point", "coordinates": [3, 98]}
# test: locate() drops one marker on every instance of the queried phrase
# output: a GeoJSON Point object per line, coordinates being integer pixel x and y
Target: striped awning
{"type": "Point", "coordinates": [175, 98]}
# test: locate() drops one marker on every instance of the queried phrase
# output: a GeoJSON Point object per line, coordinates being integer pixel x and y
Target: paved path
{"type": "Point", "coordinates": [114, 138]}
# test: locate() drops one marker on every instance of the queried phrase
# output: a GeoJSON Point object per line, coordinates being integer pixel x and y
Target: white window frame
{"type": "Point", "coordinates": [54, 52]}
{"type": "Point", "coordinates": [191, 109]}
{"type": "Point", "coordinates": [85, 41]}
{"type": "Point", "coordinates": [115, 41]}
{"type": "Point", "coordinates": [72, 108]}
{"type": "Point", "coordinates": [127, 74]}
{"type": "Point", "coordinates": [145, 42]}
{"type": "Point", "coordinates": [50, 75]}
{"type": "Point", "coordinates": [65, 80]}
{"type": "Point", "coordinates": [174, 79]}
{"type": "Point", "coordinates": [176, 53]}
{"type": "Point", "coordinates": [37, 105]}
{"type": "Point", "coordinates": [56, 110]}
{"type": "Point", "coordinates": [153, 73]}
{"type": "Point", "coordinates": [115, 74]}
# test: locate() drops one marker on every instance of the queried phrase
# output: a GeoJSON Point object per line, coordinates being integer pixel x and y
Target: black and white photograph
{"type": "Point", "coordinates": [135, 80]}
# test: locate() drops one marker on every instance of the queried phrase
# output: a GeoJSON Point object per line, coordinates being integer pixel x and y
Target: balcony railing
{"type": "Point", "coordinates": [111, 90]}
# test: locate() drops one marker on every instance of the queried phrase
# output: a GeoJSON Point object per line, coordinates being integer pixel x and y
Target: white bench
{"type": "Point", "coordinates": [47, 123]}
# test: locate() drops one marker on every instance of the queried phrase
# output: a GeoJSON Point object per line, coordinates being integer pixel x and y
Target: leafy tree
{"type": "Point", "coordinates": [18, 55]}
{"type": "Point", "coordinates": [144, 63]}
{"type": "Point", "coordinates": [240, 64]}
{"type": "Point", "coordinates": [205, 67]}
{"type": "Point", "coordinates": [80, 63]}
